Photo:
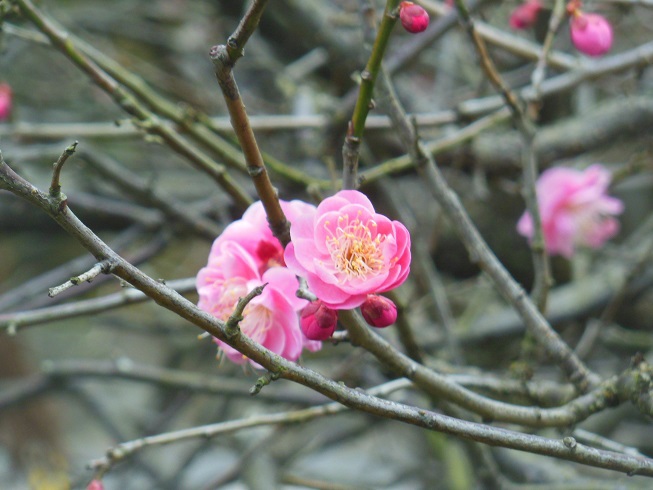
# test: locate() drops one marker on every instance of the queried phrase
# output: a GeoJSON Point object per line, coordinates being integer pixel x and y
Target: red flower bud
{"type": "Point", "coordinates": [95, 485]}
{"type": "Point", "coordinates": [379, 311]}
{"type": "Point", "coordinates": [318, 321]}
{"type": "Point", "coordinates": [525, 15]}
{"type": "Point", "coordinates": [413, 17]}
{"type": "Point", "coordinates": [5, 101]}
{"type": "Point", "coordinates": [591, 33]}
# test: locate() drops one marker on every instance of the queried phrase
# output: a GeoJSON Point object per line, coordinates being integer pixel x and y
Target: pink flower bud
{"type": "Point", "coordinates": [525, 15]}
{"type": "Point", "coordinates": [95, 485]}
{"type": "Point", "coordinates": [591, 33]}
{"type": "Point", "coordinates": [413, 17]}
{"type": "Point", "coordinates": [318, 321]}
{"type": "Point", "coordinates": [379, 311]}
{"type": "Point", "coordinates": [5, 101]}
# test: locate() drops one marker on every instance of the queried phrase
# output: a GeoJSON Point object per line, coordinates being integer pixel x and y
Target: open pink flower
{"type": "Point", "coordinates": [5, 101]}
{"type": "Point", "coordinates": [253, 233]}
{"type": "Point", "coordinates": [270, 319]}
{"type": "Point", "coordinates": [575, 209]}
{"type": "Point", "coordinates": [346, 250]}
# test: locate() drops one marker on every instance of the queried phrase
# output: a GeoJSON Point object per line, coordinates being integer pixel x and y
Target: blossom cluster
{"type": "Point", "coordinates": [591, 33]}
{"type": "Point", "coordinates": [344, 249]}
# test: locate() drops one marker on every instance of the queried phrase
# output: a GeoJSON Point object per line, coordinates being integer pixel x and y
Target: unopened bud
{"type": "Point", "coordinates": [413, 17]}
{"type": "Point", "coordinates": [525, 15]}
{"type": "Point", "coordinates": [318, 321]}
{"type": "Point", "coordinates": [5, 101]}
{"type": "Point", "coordinates": [379, 311]}
{"type": "Point", "coordinates": [591, 33]}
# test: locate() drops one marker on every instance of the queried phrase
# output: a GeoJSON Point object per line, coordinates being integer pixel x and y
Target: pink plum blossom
{"type": "Point", "coordinates": [271, 319]}
{"type": "Point", "coordinates": [346, 250]}
{"type": "Point", "coordinates": [591, 33]}
{"type": "Point", "coordinates": [525, 14]}
{"type": "Point", "coordinates": [413, 17]}
{"type": "Point", "coordinates": [5, 101]}
{"type": "Point", "coordinates": [253, 233]}
{"type": "Point", "coordinates": [575, 209]}
{"type": "Point", "coordinates": [379, 311]}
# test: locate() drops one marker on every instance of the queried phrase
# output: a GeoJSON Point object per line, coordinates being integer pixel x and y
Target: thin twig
{"type": "Point", "coordinates": [127, 296]}
{"type": "Point", "coordinates": [224, 58]}
{"type": "Point", "coordinates": [55, 185]}
{"type": "Point", "coordinates": [103, 267]}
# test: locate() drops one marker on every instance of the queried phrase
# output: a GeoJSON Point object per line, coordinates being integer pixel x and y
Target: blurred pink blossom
{"type": "Point", "coordinates": [270, 319]}
{"type": "Point", "coordinates": [591, 33]}
{"type": "Point", "coordinates": [413, 17]}
{"type": "Point", "coordinates": [525, 14]}
{"type": "Point", "coordinates": [6, 101]}
{"type": "Point", "coordinates": [95, 485]}
{"type": "Point", "coordinates": [575, 209]}
{"type": "Point", "coordinates": [346, 250]}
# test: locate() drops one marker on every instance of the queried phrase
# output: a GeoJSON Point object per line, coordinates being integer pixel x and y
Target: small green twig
{"type": "Point", "coordinates": [55, 186]}
{"type": "Point", "coordinates": [350, 151]}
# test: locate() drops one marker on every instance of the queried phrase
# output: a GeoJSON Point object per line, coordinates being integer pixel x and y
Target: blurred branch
{"type": "Point", "coordinates": [146, 119]}
{"type": "Point", "coordinates": [541, 266]}
{"type": "Point", "coordinates": [479, 251]}
{"type": "Point", "coordinates": [127, 449]}
{"type": "Point", "coordinates": [136, 186]}
{"type": "Point", "coordinates": [128, 296]}
{"type": "Point", "coordinates": [442, 388]}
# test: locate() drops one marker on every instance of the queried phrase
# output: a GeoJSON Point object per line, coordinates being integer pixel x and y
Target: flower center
{"type": "Point", "coordinates": [355, 247]}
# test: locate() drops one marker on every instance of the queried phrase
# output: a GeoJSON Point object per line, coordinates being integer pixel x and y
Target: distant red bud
{"type": "Point", "coordinates": [413, 17]}
{"type": "Point", "coordinates": [95, 485]}
{"type": "Point", "coordinates": [525, 15]}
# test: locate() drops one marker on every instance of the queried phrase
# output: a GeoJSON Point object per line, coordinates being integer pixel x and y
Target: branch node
{"type": "Point", "coordinates": [264, 380]}
{"type": "Point", "coordinates": [570, 442]}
